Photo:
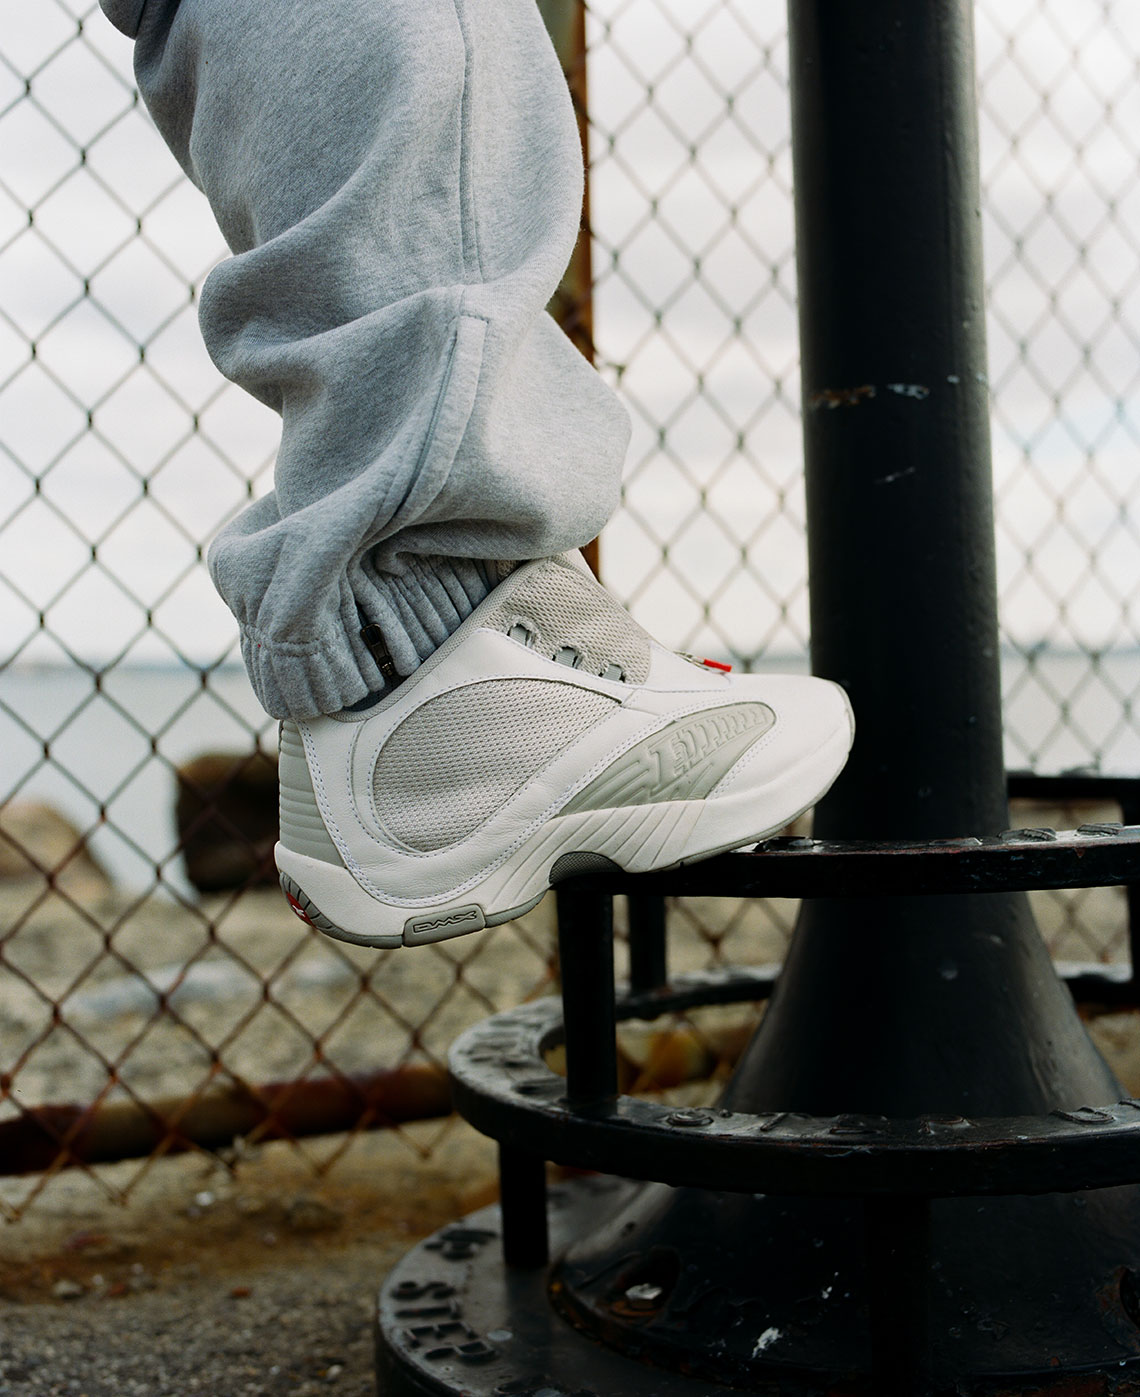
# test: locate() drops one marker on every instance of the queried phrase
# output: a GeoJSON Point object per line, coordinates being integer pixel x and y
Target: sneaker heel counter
{"type": "Point", "coordinates": [302, 827]}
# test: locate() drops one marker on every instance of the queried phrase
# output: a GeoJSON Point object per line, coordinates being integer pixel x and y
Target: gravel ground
{"type": "Point", "coordinates": [221, 1284]}
{"type": "Point", "coordinates": [307, 1336]}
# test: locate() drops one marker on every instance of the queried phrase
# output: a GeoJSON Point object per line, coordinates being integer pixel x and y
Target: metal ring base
{"type": "Point", "coordinates": [453, 1319]}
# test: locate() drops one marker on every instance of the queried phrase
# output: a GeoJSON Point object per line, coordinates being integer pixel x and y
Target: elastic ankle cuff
{"type": "Point", "coordinates": [415, 612]}
{"type": "Point", "coordinates": [292, 681]}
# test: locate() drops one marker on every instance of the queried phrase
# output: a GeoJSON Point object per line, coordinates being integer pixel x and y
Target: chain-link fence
{"type": "Point", "coordinates": [121, 451]}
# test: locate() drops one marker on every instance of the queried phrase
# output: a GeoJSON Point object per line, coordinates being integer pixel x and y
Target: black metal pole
{"type": "Point", "coordinates": [586, 962]}
{"type": "Point", "coordinates": [1130, 814]}
{"type": "Point", "coordinates": [522, 1206]}
{"type": "Point", "coordinates": [913, 1004]}
{"type": "Point", "coordinates": [896, 424]}
{"type": "Point", "coordinates": [648, 963]}
{"type": "Point", "coordinates": [898, 1283]}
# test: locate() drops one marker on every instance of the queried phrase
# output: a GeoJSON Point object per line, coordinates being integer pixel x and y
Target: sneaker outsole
{"type": "Point", "coordinates": [445, 925]}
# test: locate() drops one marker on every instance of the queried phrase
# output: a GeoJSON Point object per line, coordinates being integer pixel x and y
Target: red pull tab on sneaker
{"type": "Point", "coordinates": [716, 664]}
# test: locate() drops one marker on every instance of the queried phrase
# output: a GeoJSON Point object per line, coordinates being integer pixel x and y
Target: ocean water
{"type": "Point", "coordinates": [105, 756]}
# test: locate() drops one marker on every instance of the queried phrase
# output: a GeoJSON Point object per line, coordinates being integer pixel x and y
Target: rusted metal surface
{"type": "Point", "coordinates": [573, 303]}
{"type": "Point", "coordinates": [66, 1135]}
{"type": "Point", "coordinates": [504, 1088]}
{"type": "Point", "coordinates": [69, 1134]}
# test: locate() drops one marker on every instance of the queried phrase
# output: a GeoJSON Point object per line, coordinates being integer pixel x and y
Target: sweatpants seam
{"type": "Point", "coordinates": [436, 412]}
{"type": "Point", "coordinates": [437, 409]}
{"type": "Point", "coordinates": [466, 181]}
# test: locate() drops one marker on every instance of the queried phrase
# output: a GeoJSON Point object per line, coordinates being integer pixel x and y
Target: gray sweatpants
{"type": "Point", "coordinates": [400, 183]}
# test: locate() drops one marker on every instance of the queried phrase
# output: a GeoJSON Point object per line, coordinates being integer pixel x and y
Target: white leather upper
{"type": "Point", "coordinates": [343, 752]}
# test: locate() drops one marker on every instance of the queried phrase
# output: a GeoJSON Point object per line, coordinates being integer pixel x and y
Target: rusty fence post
{"type": "Point", "coordinates": [573, 303]}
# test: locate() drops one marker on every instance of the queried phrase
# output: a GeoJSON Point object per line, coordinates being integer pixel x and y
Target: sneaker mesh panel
{"type": "Point", "coordinates": [562, 606]}
{"type": "Point", "coordinates": [452, 763]}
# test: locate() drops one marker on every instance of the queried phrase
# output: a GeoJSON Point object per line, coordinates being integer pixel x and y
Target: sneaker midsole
{"type": "Point", "coordinates": [638, 838]}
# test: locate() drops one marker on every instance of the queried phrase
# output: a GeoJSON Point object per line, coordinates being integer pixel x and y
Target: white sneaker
{"type": "Point", "coordinates": [550, 735]}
